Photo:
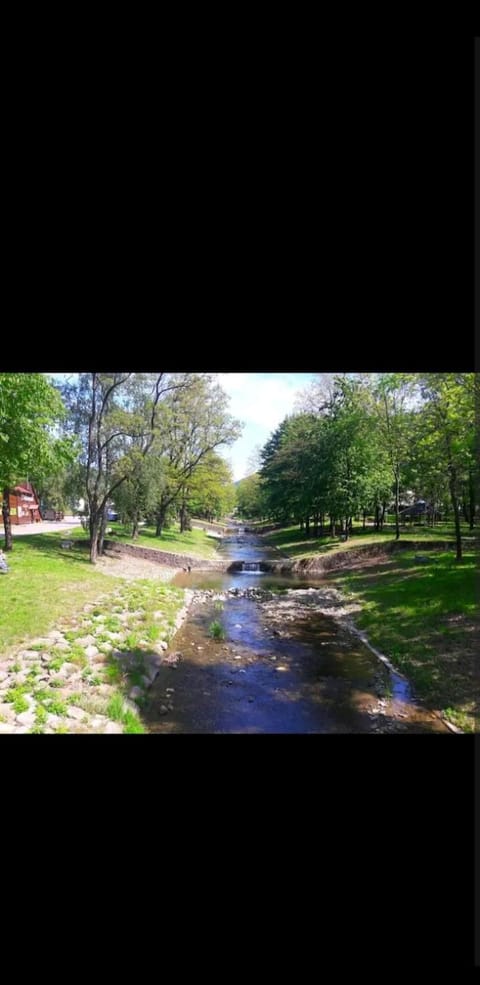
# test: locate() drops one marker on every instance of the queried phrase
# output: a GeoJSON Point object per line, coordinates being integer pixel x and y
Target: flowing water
{"type": "Point", "coordinates": [282, 666]}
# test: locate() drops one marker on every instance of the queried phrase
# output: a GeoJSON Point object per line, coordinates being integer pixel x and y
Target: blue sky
{"type": "Point", "coordinates": [260, 401]}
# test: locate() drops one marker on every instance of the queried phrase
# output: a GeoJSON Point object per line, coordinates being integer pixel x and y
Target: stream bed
{"type": "Point", "coordinates": [288, 661]}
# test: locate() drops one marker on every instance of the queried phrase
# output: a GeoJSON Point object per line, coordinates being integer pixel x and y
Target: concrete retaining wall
{"type": "Point", "coordinates": [163, 557]}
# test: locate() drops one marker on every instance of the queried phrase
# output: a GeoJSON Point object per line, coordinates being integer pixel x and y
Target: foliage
{"type": "Point", "coordinates": [217, 631]}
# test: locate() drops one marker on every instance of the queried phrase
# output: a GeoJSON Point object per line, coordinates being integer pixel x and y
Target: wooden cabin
{"type": "Point", "coordinates": [24, 504]}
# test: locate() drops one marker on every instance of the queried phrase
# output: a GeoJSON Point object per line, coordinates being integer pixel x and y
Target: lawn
{"type": "Point", "coordinates": [44, 583]}
{"type": "Point", "coordinates": [424, 617]}
{"type": "Point", "coordinates": [292, 542]}
{"type": "Point", "coordinates": [194, 542]}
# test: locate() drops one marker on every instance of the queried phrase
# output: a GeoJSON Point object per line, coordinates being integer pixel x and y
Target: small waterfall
{"type": "Point", "coordinates": [253, 567]}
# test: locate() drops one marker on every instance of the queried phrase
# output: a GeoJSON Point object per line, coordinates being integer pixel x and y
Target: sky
{"type": "Point", "coordinates": [260, 401]}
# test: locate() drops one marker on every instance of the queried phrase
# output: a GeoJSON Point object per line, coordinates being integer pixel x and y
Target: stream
{"type": "Point", "coordinates": [283, 666]}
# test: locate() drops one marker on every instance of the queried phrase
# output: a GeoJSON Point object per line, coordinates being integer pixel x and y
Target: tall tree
{"type": "Point", "coordinates": [30, 406]}
{"type": "Point", "coordinates": [449, 421]}
{"type": "Point", "coordinates": [113, 413]}
{"type": "Point", "coordinates": [393, 391]}
{"type": "Point", "coordinates": [195, 423]}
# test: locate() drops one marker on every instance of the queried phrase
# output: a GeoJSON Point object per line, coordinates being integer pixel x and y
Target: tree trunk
{"type": "Point", "coordinates": [160, 520]}
{"type": "Point", "coordinates": [307, 526]}
{"type": "Point", "coordinates": [397, 506]}
{"type": "Point", "coordinates": [364, 519]}
{"type": "Point", "coordinates": [453, 497]}
{"type": "Point", "coordinates": [382, 518]}
{"type": "Point", "coordinates": [103, 526]}
{"type": "Point", "coordinates": [315, 525]}
{"type": "Point", "coordinates": [94, 532]}
{"type": "Point", "coordinates": [301, 524]}
{"type": "Point", "coordinates": [471, 498]}
{"type": "Point", "coordinates": [183, 519]}
{"type": "Point", "coordinates": [7, 523]}
{"type": "Point", "coordinates": [332, 526]}
{"type": "Point", "coordinates": [135, 527]}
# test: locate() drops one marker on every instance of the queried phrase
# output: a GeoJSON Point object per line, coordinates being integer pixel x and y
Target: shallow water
{"type": "Point", "coordinates": [310, 675]}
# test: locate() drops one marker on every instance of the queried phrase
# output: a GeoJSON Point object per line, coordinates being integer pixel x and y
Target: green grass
{"type": "Point", "coordinates": [44, 584]}
{"type": "Point", "coordinates": [118, 713]}
{"type": "Point", "coordinates": [18, 700]}
{"type": "Point", "coordinates": [292, 542]}
{"type": "Point", "coordinates": [217, 631]}
{"type": "Point", "coordinates": [57, 590]}
{"type": "Point", "coordinates": [192, 542]}
{"type": "Point", "coordinates": [424, 618]}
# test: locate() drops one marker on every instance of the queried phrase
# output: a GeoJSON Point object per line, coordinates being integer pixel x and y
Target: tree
{"type": "Point", "coordinates": [196, 422]}
{"type": "Point", "coordinates": [116, 416]}
{"type": "Point", "coordinates": [392, 391]}
{"type": "Point", "coordinates": [249, 497]}
{"type": "Point", "coordinates": [449, 423]}
{"type": "Point", "coordinates": [210, 492]}
{"type": "Point", "coordinates": [30, 406]}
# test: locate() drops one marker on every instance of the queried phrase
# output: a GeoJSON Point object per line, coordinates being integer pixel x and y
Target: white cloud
{"type": "Point", "coordinates": [260, 401]}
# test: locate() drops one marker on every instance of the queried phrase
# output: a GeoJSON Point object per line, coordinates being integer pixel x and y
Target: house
{"type": "Point", "coordinates": [419, 509]}
{"type": "Point", "coordinates": [24, 504]}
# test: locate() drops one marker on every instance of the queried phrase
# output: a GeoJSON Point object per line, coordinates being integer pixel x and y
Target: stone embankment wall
{"type": "Point", "coordinates": [163, 557]}
{"type": "Point", "coordinates": [355, 555]}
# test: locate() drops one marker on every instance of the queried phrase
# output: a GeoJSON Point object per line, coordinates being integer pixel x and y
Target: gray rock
{"type": "Point", "coordinates": [53, 721]}
{"type": "Point", "coordinates": [135, 692]}
{"type": "Point", "coordinates": [113, 728]}
{"type": "Point", "coordinates": [173, 658]}
{"type": "Point", "coordinates": [60, 677]}
{"type": "Point", "coordinates": [98, 720]}
{"type": "Point", "coordinates": [7, 710]}
{"type": "Point", "coordinates": [77, 713]}
{"type": "Point", "coordinates": [55, 635]}
{"type": "Point", "coordinates": [69, 669]}
{"type": "Point", "coordinates": [163, 710]}
{"type": "Point", "coordinates": [130, 706]}
{"type": "Point", "coordinates": [7, 727]}
{"type": "Point", "coordinates": [85, 640]}
{"type": "Point", "coordinates": [26, 718]}
{"type": "Point", "coordinates": [91, 651]}
{"type": "Point", "coordinates": [62, 646]}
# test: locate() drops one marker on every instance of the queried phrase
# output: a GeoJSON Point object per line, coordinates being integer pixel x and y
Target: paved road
{"type": "Point", "coordinates": [45, 526]}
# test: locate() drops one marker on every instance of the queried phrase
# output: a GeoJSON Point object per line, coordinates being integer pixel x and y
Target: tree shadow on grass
{"type": "Point", "coordinates": [49, 546]}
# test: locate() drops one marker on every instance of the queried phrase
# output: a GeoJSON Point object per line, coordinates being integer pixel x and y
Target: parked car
{"type": "Point", "coordinates": [111, 516]}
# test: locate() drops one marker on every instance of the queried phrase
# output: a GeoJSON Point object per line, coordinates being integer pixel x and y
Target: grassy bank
{"type": "Point", "coordinates": [44, 583]}
{"type": "Point", "coordinates": [194, 542]}
{"type": "Point", "coordinates": [424, 618]}
{"type": "Point", "coordinates": [293, 543]}
{"type": "Point", "coordinates": [66, 684]}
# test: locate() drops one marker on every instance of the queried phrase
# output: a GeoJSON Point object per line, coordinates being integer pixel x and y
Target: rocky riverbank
{"type": "Point", "coordinates": [92, 673]}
